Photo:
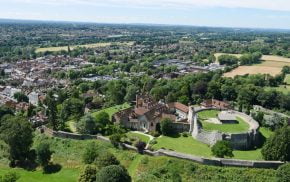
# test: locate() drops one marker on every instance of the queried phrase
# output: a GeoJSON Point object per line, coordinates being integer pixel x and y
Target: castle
{"type": "Point", "coordinates": [147, 114]}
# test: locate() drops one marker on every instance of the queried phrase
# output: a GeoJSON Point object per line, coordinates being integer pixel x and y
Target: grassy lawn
{"type": "Point", "coordinates": [242, 126]}
{"type": "Point", "coordinates": [266, 132]}
{"type": "Point", "coordinates": [95, 45]}
{"type": "Point", "coordinates": [113, 110]}
{"type": "Point", "coordinates": [65, 175]}
{"type": "Point", "coordinates": [282, 88]}
{"type": "Point", "coordinates": [228, 128]}
{"type": "Point", "coordinates": [203, 115]}
{"type": "Point", "coordinates": [141, 137]}
{"type": "Point", "coordinates": [182, 144]}
{"type": "Point", "coordinates": [287, 79]}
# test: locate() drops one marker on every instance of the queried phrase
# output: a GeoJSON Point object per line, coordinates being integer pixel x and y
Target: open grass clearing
{"type": "Point", "coordinates": [240, 127]}
{"type": "Point", "coordinates": [282, 88]}
{"type": "Point", "coordinates": [287, 79]}
{"type": "Point", "coordinates": [112, 110]}
{"type": "Point", "coordinates": [140, 136]}
{"type": "Point", "coordinates": [95, 45]}
{"type": "Point", "coordinates": [203, 116]}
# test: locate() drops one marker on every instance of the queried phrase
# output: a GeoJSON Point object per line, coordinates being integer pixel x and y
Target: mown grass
{"type": "Point", "coordinates": [140, 136]}
{"type": "Point", "coordinates": [112, 110]}
{"type": "Point", "coordinates": [182, 144]}
{"type": "Point", "coordinates": [241, 126]}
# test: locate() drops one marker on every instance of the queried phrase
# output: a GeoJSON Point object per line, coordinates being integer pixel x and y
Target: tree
{"type": "Point", "coordinates": [116, 139]}
{"type": "Point", "coordinates": [113, 173]}
{"type": "Point", "coordinates": [283, 173]}
{"type": "Point", "coordinates": [91, 153]}
{"type": "Point", "coordinates": [131, 93]}
{"type": "Point", "coordinates": [277, 147]}
{"type": "Point", "coordinates": [88, 174]}
{"type": "Point", "coordinates": [43, 153]}
{"type": "Point", "coordinates": [72, 108]}
{"type": "Point", "coordinates": [17, 133]}
{"type": "Point", "coordinates": [228, 60]}
{"type": "Point", "coordinates": [5, 110]}
{"type": "Point", "coordinates": [166, 127]}
{"type": "Point", "coordinates": [87, 125]}
{"type": "Point", "coordinates": [103, 119]}
{"type": "Point", "coordinates": [106, 159]}
{"type": "Point", "coordinates": [21, 97]}
{"type": "Point", "coordinates": [222, 149]}
{"type": "Point", "coordinates": [51, 110]}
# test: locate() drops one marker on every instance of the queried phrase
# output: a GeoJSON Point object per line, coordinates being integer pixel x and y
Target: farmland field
{"type": "Point", "coordinates": [287, 79]}
{"type": "Point", "coordinates": [96, 45]}
{"type": "Point", "coordinates": [271, 65]}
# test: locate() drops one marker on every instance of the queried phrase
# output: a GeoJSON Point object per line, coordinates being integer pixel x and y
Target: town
{"type": "Point", "coordinates": [108, 102]}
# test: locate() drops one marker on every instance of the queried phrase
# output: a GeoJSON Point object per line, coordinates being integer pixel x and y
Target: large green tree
{"type": "Point", "coordinates": [113, 173]}
{"type": "Point", "coordinates": [277, 147]}
{"type": "Point", "coordinates": [17, 132]}
{"type": "Point", "coordinates": [87, 125]}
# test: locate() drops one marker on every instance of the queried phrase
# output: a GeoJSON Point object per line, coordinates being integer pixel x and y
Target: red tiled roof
{"type": "Point", "coordinates": [179, 106]}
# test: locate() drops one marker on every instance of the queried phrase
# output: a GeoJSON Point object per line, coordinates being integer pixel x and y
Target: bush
{"type": "Point", "coordinates": [185, 134]}
{"type": "Point", "coordinates": [88, 174]}
{"type": "Point", "coordinates": [222, 149]}
{"type": "Point", "coordinates": [154, 133]}
{"type": "Point", "coordinates": [113, 173]}
{"type": "Point", "coordinates": [283, 173]}
{"type": "Point", "coordinates": [153, 142]}
{"type": "Point", "coordinates": [91, 153]}
{"type": "Point", "coordinates": [140, 146]}
{"type": "Point", "coordinates": [277, 147]}
{"type": "Point", "coordinates": [106, 159]}
{"type": "Point", "coordinates": [87, 125]}
{"type": "Point", "coordinates": [166, 127]}
{"type": "Point", "coordinates": [116, 139]}
{"type": "Point", "coordinates": [43, 154]}
{"type": "Point", "coordinates": [9, 177]}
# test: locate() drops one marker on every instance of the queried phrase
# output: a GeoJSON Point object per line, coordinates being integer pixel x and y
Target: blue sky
{"type": "Point", "coordinates": [224, 13]}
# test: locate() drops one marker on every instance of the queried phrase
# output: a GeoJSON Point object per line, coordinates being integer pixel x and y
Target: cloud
{"type": "Point", "coordinates": [279, 5]}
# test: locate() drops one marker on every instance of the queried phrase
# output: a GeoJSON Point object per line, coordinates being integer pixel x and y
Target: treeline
{"type": "Point", "coordinates": [245, 59]}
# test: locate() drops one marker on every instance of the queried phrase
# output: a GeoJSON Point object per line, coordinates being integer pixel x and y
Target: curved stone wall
{"type": "Point", "coordinates": [239, 141]}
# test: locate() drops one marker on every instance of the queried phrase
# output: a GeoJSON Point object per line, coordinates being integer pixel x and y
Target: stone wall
{"type": "Point", "coordinates": [162, 152]}
{"type": "Point", "coordinates": [239, 141]}
{"type": "Point", "coordinates": [181, 127]}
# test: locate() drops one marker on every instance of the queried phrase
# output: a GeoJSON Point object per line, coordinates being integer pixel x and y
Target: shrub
{"type": "Point", "coordinates": [153, 142]}
{"type": "Point", "coordinates": [166, 127]}
{"type": "Point", "coordinates": [88, 174]}
{"type": "Point", "coordinates": [87, 125]}
{"type": "Point", "coordinates": [116, 139]}
{"type": "Point", "coordinates": [222, 149]}
{"type": "Point", "coordinates": [113, 173]}
{"type": "Point", "coordinates": [283, 173]}
{"type": "Point", "coordinates": [154, 133]}
{"type": "Point", "coordinates": [91, 153]}
{"type": "Point", "coordinates": [9, 177]}
{"type": "Point", "coordinates": [185, 134]}
{"type": "Point", "coordinates": [106, 159]}
{"type": "Point", "coordinates": [43, 154]}
{"type": "Point", "coordinates": [140, 146]}
{"type": "Point", "coordinates": [277, 147]}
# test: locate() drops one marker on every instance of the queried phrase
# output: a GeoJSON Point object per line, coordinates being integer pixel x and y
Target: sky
{"type": "Point", "coordinates": [217, 13]}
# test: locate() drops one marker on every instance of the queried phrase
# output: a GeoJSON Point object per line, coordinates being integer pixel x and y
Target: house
{"type": "Point", "coordinates": [215, 104]}
{"type": "Point", "coordinates": [227, 117]}
{"type": "Point", "coordinates": [33, 98]}
{"type": "Point", "coordinates": [147, 114]}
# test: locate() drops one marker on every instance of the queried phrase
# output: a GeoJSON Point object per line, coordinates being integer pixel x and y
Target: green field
{"type": "Point", "coordinates": [191, 146]}
{"type": "Point", "coordinates": [182, 144]}
{"type": "Point", "coordinates": [95, 45]}
{"type": "Point", "coordinates": [141, 137]}
{"type": "Point", "coordinates": [241, 126]}
{"type": "Point", "coordinates": [113, 110]}
{"type": "Point", "coordinates": [65, 175]}
{"type": "Point", "coordinates": [282, 88]}
{"type": "Point", "coordinates": [142, 168]}
{"type": "Point", "coordinates": [287, 79]}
